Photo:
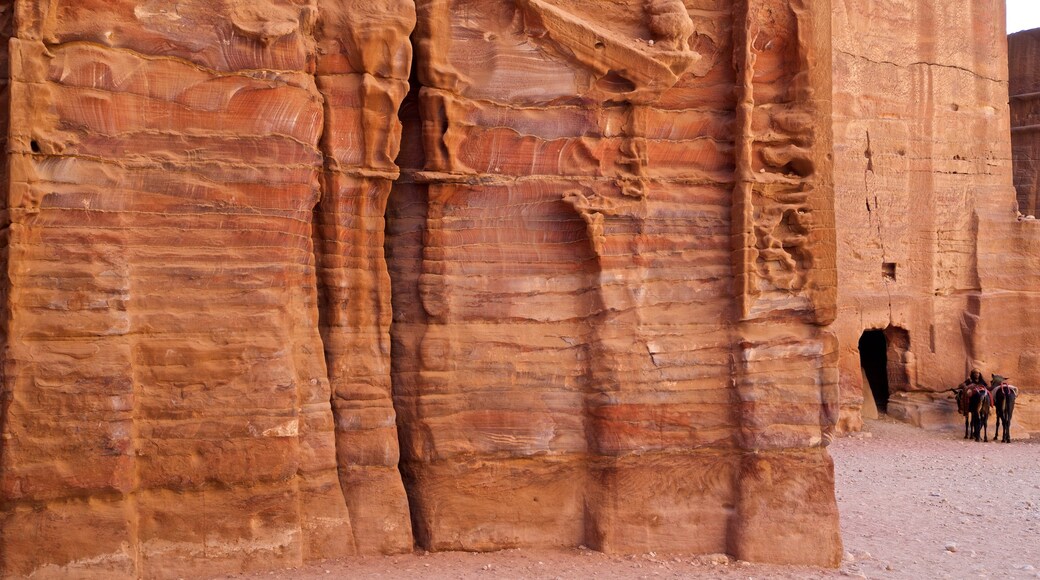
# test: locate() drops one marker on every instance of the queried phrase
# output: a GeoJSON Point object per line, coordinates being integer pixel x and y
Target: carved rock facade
{"type": "Point", "coordinates": [300, 279]}
{"type": "Point", "coordinates": [930, 250]}
{"type": "Point", "coordinates": [611, 276]}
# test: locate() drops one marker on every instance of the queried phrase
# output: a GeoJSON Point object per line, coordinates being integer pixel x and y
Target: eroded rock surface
{"type": "Point", "coordinates": [170, 404]}
{"type": "Point", "coordinates": [599, 312]}
{"type": "Point", "coordinates": [624, 267]}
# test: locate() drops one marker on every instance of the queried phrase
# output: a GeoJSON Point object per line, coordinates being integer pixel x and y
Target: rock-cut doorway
{"type": "Point", "coordinates": [873, 358]}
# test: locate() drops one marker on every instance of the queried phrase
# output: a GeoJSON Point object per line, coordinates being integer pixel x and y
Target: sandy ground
{"type": "Point", "coordinates": [916, 504]}
{"type": "Point", "coordinates": [913, 504]}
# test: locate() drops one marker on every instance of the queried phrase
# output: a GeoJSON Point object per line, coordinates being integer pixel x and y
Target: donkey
{"type": "Point", "coordinates": [1004, 396]}
{"type": "Point", "coordinates": [978, 404]}
{"type": "Point", "coordinates": [962, 393]}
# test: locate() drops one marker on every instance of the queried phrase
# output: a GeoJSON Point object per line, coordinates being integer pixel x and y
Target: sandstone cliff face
{"type": "Point", "coordinates": [600, 314]}
{"type": "Point", "coordinates": [929, 248]}
{"type": "Point", "coordinates": [171, 401]}
{"type": "Point", "coordinates": [620, 279]}
{"type": "Point", "coordinates": [1009, 265]}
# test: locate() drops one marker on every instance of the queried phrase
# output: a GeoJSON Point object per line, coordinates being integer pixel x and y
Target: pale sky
{"type": "Point", "coordinates": [1023, 15]}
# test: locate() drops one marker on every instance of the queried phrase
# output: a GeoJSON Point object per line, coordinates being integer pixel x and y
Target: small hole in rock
{"type": "Point", "coordinates": [888, 271]}
{"type": "Point", "coordinates": [615, 83]}
{"type": "Point", "coordinates": [34, 146]}
{"type": "Point", "coordinates": [600, 45]}
{"type": "Point", "coordinates": [800, 167]}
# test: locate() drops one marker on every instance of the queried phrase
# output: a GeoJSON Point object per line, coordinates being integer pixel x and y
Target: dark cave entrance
{"type": "Point", "coordinates": [888, 365]}
{"type": "Point", "coordinates": [873, 357]}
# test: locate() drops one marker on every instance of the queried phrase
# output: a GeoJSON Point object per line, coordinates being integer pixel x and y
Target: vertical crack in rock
{"type": "Point", "coordinates": [599, 375]}
{"type": "Point", "coordinates": [876, 215]}
{"type": "Point", "coordinates": [616, 215]}
{"type": "Point", "coordinates": [869, 154]}
{"type": "Point", "coordinates": [405, 226]}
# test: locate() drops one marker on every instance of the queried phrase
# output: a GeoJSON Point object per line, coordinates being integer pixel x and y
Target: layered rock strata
{"type": "Point", "coordinates": [168, 406]}
{"type": "Point", "coordinates": [364, 58]}
{"type": "Point", "coordinates": [601, 315]}
{"type": "Point", "coordinates": [611, 321]}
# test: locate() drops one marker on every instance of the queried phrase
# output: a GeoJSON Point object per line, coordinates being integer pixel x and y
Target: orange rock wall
{"type": "Point", "coordinates": [364, 56]}
{"type": "Point", "coordinates": [580, 369]}
{"type": "Point", "coordinates": [599, 312]}
{"type": "Point", "coordinates": [168, 408]}
{"type": "Point", "coordinates": [923, 174]}
{"type": "Point", "coordinates": [1010, 262]}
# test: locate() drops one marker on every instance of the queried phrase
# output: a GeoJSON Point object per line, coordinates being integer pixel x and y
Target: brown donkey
{"type": "Point", "coordinates": [979, 404]}
{"type": "Point", "coordinates": [1004, 396]}
{"type": "Point", "coordinates": [963, 395]}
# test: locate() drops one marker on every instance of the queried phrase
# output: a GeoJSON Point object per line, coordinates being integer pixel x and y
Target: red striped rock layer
{"type": "Point", "coordinates": [571, 363]}
{"type": "Point", "coordinates": [169, 406]}
{"type": "Point", "coordinates": [610, 254]}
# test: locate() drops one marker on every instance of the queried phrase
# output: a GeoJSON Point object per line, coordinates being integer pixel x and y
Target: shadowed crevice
{"type": "Point", "coordinates": [405, 224]}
